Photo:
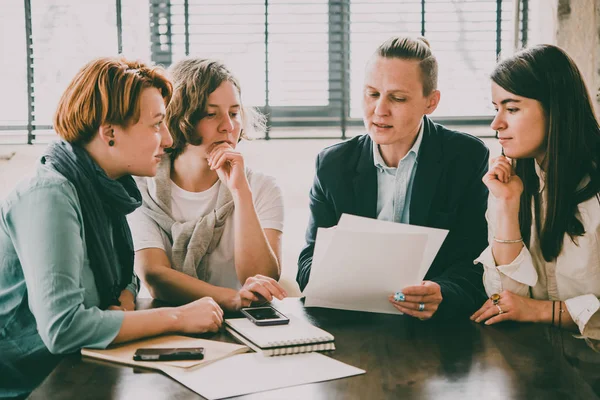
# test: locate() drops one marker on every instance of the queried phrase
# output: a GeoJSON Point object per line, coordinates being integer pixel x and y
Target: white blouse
{"type": "Point", "coordinates": [573, 277]}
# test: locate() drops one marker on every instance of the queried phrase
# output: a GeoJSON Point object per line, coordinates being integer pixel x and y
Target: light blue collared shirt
{"type": "Point", "coordinates": [48, 296]}
{"type": "Point", "coordinates": [394, 184]}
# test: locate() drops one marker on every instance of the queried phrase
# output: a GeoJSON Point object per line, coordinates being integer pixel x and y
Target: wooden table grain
{"type": "Point", "coordinates": [404, 359]}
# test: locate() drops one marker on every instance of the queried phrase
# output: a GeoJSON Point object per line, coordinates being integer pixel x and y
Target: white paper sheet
{"type": "Point", "coordinates": [322, 242]}
{"type": "Point", "coordinates": [251, 373]}
{"type": "Point", "coordinates": [435, 237]}
{"type": "Point", "coordinates": [360, 270]}
{"type": "Point", "coordinates": [357, 265]}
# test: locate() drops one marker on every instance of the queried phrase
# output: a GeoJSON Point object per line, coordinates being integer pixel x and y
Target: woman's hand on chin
{"type": "Point", "coordinates": [229, 164]}
{"type": "Point", "coordinates": [502, 181]}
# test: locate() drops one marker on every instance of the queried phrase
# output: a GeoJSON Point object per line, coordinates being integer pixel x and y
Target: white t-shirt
{"type": "Point", "coordinates": [189, 206]}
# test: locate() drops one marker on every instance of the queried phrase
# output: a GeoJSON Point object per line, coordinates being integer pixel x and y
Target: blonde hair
{"type": "Point", "coordinates": [105, 90]}
{"type": "Point", "coordinates": [408, 48]}
{"type": "Point", "coordinates": [194, 80]}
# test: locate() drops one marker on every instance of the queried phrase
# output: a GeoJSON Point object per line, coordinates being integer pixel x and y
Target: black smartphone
{"type": "Point", "coordinates": [172, 354]}
{"type": "Point", "coordinates": [265, 316]}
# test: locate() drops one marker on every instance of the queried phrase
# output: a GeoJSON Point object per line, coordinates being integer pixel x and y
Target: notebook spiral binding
{"type": "Point", "coordinates": [282, 351]}
{"type": "Point", "coordinates": [299, 342]}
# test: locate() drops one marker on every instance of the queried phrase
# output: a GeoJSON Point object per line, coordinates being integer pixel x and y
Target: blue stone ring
{"type": "Point", "coordinates": [399, 296]}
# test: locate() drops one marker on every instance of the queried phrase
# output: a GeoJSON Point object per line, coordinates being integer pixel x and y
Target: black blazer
{"type": "Point", "coordinates": [447, 193]}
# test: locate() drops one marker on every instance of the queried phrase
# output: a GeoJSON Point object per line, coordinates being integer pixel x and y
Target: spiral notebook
{"type": "Point", "coordinates": [296, 337]}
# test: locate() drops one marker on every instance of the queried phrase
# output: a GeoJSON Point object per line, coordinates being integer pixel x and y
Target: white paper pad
{"type": "Point", "coordinates": [298, 331]}
{"type": "Point", "coordinates": [358, 264]}
{"type": "Point", "coordinates": [251, 373]}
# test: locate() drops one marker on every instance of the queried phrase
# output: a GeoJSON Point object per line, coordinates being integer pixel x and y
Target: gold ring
{"type": "Point", "coordinates": [495, 298]}
{"type": "Point", "coordinates": [499, 310]}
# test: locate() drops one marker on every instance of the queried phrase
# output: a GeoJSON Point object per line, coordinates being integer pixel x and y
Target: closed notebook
{"type": "Point", "coordinates": [298, 336]}
{"type": "Point", "coordinates": [123, 353]}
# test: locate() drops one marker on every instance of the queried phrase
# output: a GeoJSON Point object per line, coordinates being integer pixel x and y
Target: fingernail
{"type": "Point", "coordinates": [399, 296]}
{"type": "Point", "coordinates": [478, 320]}
{"type": "Point", "coordinates": [487, 322]}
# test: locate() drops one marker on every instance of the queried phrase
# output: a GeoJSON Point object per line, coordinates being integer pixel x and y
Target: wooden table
{"type": "Point", "coordinates": [404, 359]}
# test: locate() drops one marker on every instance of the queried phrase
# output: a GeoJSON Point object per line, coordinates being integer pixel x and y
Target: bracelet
{"type": "Point", "coordinates": [519, 240]}
{"type": "Point", "coordinates": [560, 314]}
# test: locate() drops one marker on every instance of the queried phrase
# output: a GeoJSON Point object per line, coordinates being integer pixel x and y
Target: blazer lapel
{"type": "Point", "coordinates": [427, 175]}
{"type": "Point", "coordinates": [365, 182]}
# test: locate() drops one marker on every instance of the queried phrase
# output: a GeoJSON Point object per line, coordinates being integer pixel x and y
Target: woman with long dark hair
{"type": "Point", "coordinates": [543, 262]}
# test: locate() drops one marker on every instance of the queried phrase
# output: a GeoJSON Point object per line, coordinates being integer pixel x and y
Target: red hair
{"type": "Point", "coordinates": [106, 90]}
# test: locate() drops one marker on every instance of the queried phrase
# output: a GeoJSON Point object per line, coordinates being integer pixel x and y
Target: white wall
{"type": "Point", "coordinates": [577, 33]}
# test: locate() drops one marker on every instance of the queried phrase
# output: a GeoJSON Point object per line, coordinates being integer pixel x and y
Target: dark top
{"type": "Point", "coordinates": [448, 193]}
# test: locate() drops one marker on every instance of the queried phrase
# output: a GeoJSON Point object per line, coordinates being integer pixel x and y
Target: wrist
{"type": "Point", "coordinates": [543, 312]}
{"type": "Point", "coordinates": [225, 297]}
{"type": "Point", "coordinates": [507, 221]}
{"type": "Point", "coordinates": [509, 205]}
{"type": "Point", "coordinates": [242, 193]}
{"type": "Point", "coordinates": [174, 319]}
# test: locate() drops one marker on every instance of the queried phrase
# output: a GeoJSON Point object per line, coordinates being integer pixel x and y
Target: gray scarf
{"type": "Point", "coordinates": [191, 240]}
{"type": "Point", "coordinates": [104, 204]}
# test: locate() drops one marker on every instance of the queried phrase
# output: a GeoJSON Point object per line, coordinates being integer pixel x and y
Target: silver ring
{"type": "Point", "coordinates": [499, 309]}
{"type": "Point", "coordinates": [421, 306]}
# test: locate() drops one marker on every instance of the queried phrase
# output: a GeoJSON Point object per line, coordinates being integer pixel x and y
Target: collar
{"type": "Point", "coordinates": [378, 159]}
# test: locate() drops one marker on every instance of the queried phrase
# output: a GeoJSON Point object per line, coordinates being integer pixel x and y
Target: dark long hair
{"type": "Point", "coordinates": [547, 74]}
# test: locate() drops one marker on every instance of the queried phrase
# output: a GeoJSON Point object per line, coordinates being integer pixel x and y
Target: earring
{"type": "Point", "coordinates": [111, 143]}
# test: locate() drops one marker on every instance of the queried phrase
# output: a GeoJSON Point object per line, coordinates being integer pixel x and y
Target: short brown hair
{"type": "Point", "coordinates": [408, 48]}
{"type": "Point", "coordinates": [194, 80]}
{"type": "Point", "coordinates": [106, 90]}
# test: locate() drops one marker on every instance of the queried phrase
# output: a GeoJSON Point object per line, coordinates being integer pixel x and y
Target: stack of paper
{"type": "Point", "coordinates": [231, 376]}
{"type": "Point", "coordinates": [359, 263]}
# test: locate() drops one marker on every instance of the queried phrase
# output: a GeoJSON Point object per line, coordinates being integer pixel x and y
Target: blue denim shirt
{"type": "Point", "coordinates": [394, 184]}
{"type": "Point", "coordinates": [48, 297]}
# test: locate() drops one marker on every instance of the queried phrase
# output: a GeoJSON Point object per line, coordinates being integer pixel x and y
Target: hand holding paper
{"type": "Point", "coordinates": [361, 262]}
{"type": "Point", "coordinates": [419, 301]}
